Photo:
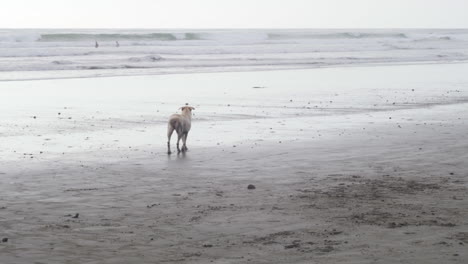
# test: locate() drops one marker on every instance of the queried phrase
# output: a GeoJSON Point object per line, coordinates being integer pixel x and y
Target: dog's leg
{"type": "Point", "coordinates": [170, 129]}
{"type": "Point", "coordinates": [184, 140]}
{"type": "Point", "coordinates": [179, 136]}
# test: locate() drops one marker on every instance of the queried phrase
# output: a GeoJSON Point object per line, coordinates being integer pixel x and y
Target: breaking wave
{"type": "Point", "coordinates": [62, 62]}
{"type": "Point", "coordinates": [340, 35]}
{"type": "Point", "coordinates": [63, 37]}
{"type": "Point", "coordinates": [149, 58]}
{"type": "Point", "coordinates": [444, 38]}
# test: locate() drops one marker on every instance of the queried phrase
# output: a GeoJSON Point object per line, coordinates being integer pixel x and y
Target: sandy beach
{"type": "Point", "coordinates": [360, 164]}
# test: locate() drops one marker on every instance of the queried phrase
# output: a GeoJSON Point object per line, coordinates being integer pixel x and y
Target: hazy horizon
{"type": "Point", "coordinates": [180, 14]}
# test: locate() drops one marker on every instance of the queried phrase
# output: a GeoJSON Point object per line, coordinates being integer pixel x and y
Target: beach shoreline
{"type": "Point", "coordinates": [69, 74]}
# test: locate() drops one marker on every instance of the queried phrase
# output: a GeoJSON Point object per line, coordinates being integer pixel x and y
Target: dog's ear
{"type": "Point", "coordinates": [192, 108]}
{"type": "Point", "coordinates": [182, 108]}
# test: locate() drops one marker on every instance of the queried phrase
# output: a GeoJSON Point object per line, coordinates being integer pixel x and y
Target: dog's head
{"type": "Point", "coordinates": [187, 108]}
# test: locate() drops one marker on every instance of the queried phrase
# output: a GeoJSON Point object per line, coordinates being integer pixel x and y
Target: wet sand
{"type": "Point", "coordinates": [358, 180]}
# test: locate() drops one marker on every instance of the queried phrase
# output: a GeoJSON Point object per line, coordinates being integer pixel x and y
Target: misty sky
{"type": "Point", "coordinates": [233, 13]}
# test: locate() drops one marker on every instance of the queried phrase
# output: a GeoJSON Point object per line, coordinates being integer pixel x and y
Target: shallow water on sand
{"type": "Point", "coordinates": [84, 114]}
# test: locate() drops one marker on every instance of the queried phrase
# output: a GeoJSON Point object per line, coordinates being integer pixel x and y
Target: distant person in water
{"type": "Point", "coordinates": [97, 45]}
{"type": "Point", "coordinates": [117, 44]}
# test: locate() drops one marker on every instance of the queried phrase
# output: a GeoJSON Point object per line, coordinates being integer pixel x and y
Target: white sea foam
{"type": "Point", "coordinates": [47, 53]}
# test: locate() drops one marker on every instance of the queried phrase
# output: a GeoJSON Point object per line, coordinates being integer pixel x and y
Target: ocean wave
{"type": "Point", "coordinates": [114, 67]}
{"type": "Point", "coordinates": [149, 58]}
{"type": "Point", "coordinates": [340, 35]}
{"type": "Point", "coordinates": [64, 37]}
{"type": "Point", "coordinates": [62, 62]}
{"type": "Point", "coordinates": [18, 37]}
{"type": "Point", "coordinates": [442, 38]}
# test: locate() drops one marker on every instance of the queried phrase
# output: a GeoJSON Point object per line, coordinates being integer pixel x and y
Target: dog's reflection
{"type": "Point", "coordinates": [181, 156]}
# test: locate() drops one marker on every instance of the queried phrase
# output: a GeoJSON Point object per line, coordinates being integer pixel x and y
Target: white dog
{"type": "Point", "coordinates": [181, 123]}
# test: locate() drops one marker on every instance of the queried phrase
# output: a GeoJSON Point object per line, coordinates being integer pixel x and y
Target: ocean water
{"type": "Point", "coordinates": [28, 54]}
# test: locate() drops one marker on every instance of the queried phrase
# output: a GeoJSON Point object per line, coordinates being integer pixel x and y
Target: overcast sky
{"type": "Point", "coordinates": [233, 13]}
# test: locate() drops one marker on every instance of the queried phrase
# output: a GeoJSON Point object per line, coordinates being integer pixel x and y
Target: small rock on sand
{"type": "Point", "coordinates": [291, 246]}
{"type": "Point", "coordinates": [5, 239]}
{"type": "Point", "coordinates": [251, 187]}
